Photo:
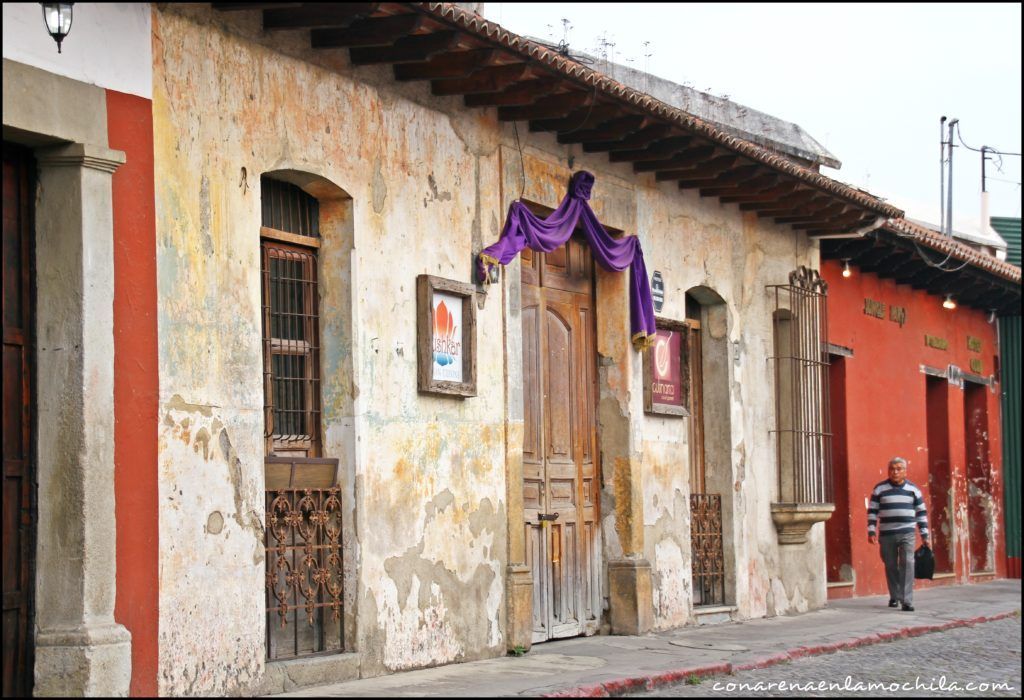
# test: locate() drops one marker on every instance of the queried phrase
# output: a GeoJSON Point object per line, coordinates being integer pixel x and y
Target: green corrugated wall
{"type": "Point", "coordinates": [1010, 361]}
{"type": "Point", "coordinates": [1009, 229]}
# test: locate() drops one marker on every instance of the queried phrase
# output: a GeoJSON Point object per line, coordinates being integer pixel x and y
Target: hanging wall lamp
{"type": "Point", "coordinates": [57, 16]}
{"type": "Point", "coordinates": [949, 303]}
{"type": "Point", "coordinates": [846, 268]}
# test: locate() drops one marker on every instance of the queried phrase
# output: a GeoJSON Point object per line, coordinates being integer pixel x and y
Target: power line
{"type": "Point", "coordinates": [987, 149]}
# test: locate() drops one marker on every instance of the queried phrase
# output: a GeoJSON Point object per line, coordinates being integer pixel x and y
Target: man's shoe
{"type": "Point", "coordinates": [907, 607]}
{"type": "Point", "coordinates": [893, 603]}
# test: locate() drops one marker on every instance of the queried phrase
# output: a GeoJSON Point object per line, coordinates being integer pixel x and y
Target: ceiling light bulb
{"type": "Point", "coordinates": [949, 303]}
{"type": "Point", "coordinates": [846, 268]}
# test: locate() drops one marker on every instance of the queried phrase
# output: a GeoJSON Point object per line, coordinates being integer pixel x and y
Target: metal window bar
{"type": "Point", "coordinates": [707, 556]}
{"type": "Point", "coordinates": [291, 348]}
{"type": "Point", "coordinates": [287, 207]}
{"type": "Point", "coordinates": [304, 574]}
{"type": "Point", "coordinates": [803, 430]}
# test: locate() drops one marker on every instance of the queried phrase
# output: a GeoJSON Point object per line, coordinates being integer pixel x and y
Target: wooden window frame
{"type": "Point", "coordinates": [308, 444]}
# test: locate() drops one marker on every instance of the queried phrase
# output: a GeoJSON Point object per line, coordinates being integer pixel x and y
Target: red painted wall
{"type": "Point", "coordinates": [136, 383]}
{"type": "Point", "coordinates": [886, 414]}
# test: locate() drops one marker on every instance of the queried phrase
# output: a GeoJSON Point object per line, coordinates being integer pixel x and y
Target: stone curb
{"type": "Point", "coordinates": [620, 686]}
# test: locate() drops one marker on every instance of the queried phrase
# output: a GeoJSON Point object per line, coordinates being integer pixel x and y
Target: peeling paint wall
{"type": "Point", "coordinates": [731, 256]}
{"type": "Point", "coordinates": [423, 477]}
{"type": "Point", "coordinates": [418, 184]}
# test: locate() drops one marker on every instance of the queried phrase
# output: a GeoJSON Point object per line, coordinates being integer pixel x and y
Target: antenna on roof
{"type": "Point", "coordinates": [647, 63]}
{"type": "Point", "coordinates": [563, 45]}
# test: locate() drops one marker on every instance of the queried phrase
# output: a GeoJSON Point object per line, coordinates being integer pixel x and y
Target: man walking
{"type": "Point", "coordinates": [895, 505]}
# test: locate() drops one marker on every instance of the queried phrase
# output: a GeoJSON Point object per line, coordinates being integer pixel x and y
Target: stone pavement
{"type": "Point", "coordinates": [982, 660]}
{"type": "Point", "coordinates": [613, 665]}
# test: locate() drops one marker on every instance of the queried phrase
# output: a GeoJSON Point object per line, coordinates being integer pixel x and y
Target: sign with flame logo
{"type": "Point", "coordinates": [447, 340]}
{"type": "Point", "coordinates": [445, 337]}
{"type": "Point", "coordinates": [666, 380]}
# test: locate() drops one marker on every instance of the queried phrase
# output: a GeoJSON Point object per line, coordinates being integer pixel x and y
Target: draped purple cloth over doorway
{"type": "Point", "coordinates": [524, 229]}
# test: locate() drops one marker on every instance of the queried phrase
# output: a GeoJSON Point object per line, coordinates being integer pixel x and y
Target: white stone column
{"type": "Point", "coordinates": [80, 650]}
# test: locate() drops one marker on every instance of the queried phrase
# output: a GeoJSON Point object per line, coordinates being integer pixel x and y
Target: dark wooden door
{"type": "Point", "coordinates": [19, 477]}
{"type": "Point", "coordinates": [560, 466]}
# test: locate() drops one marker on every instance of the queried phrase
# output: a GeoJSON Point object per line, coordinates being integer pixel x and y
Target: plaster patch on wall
{"type": "Point", "coordinates": [671, 590]}
{"type": "Point", "coordinates": [379, 187]}
{"type": "Point", "coordinates": [416, 634]}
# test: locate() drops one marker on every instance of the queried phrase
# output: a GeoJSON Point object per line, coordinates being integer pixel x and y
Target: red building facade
{"type": "Point", "coordinates": [911, 378]}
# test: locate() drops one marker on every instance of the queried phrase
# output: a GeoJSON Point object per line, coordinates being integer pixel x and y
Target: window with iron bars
{"type": "Point", "coordinates": [291, 321]}
{"type": "Point", "coordinates": [304, 566]}
{"type": "Point", "coordinates": [803, 433]}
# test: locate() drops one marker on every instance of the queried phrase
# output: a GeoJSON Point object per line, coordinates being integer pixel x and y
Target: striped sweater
{"type": "Point", "coordinates": [895, 509]}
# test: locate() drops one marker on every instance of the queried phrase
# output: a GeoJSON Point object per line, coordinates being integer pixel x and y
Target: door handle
{"type": "Point", "coordinates": [551, 517]}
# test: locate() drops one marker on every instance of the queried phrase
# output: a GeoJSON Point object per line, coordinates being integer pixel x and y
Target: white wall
{"type": "Point", "coordinates": [109, 45]}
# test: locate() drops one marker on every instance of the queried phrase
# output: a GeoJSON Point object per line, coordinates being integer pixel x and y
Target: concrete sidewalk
{"type": "Point", "coordinates": [609, 665]}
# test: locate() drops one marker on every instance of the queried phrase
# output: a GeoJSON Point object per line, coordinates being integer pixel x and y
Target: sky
{"type": "Point", "coordinates": [868, 82]}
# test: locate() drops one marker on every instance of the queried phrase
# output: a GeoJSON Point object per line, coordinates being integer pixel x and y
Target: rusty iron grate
{"type": "Point", "coordinates": [706, 549]}
{"type": "Point", "coordinates": [803, 430]}
{"type": "Point", "coordinates": [304, 571]}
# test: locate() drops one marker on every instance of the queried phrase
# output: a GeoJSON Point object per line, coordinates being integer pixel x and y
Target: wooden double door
{"type": "Point", "coordinates": [561, 483]}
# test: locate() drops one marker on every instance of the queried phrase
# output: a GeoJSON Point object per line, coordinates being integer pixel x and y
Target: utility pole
{"type": "Point", "coordinates": [949, 189]}
{"type": "Point", "coordinates": [984, 192]}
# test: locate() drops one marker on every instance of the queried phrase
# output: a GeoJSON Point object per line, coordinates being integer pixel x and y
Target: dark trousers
{"type": "Point", "coordinates": [898, 554]}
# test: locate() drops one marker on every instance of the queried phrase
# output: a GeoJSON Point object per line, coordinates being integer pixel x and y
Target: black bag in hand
{"type": "Point", "coordinates": [924, 562]}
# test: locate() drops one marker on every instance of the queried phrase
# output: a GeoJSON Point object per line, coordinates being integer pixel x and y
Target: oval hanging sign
{"type": "Point", "coordinates": [657, 291]}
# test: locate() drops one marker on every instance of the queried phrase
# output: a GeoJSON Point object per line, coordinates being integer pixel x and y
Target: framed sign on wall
{"type": "Point", "coordinates": [445, 337]}
{"type": "Point", "coordinates": [665, 370]}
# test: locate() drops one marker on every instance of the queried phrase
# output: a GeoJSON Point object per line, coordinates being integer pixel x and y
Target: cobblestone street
{"type": "Point", "coordinates": [955, 663]}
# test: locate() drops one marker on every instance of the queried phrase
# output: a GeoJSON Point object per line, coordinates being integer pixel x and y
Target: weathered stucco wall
{"type": "Point", "coordinates": [419, 184]}
{"type": "Point", "coordinates": [424, 479]}
{"type": "Point", "coordinates": [732, 256]}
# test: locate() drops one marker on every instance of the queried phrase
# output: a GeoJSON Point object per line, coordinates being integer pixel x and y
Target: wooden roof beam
{"type": "Point", "coordinates": [616, 128]}
{"type": "Point", "coordinates": [457, 64]}
{"type": "Point", "coordinates": [753, 184]}
{"type": "Point", "coordinates": [729, 175]}
{"type": "Point", "coordinates": [372, 31]}
{"type": "Point", "coordinates": [644, 137]}
{"type": "Point", "coordinates": [406, 50]}
{"type": "Point", "coordinates": [800, 207]}
{"type": "Point", "coordinates": [656, 150]}
{"type": "Point", "coordinates": [681, 162]}
{"type": "Point", "coordinates": [829, 228]}
{"type": "Point", "coordinates": [583, 118]}
{"type": "Point", "coordinates": [845, 216]}
{"type": "Point", "coordinates": [549, 107]}
{"type": "Point", "coordinates": [310, 16]}
{"type": "Point", "coordinates": [523, 93]}
{"type": "Point", "coordinates": [489, 80]}
{"type": "Point", "coordinates": [816, 216]}
{"type": "Point", "coordinates": [768, 194]}
{"type": "Point", "coordinates": [781, 203]}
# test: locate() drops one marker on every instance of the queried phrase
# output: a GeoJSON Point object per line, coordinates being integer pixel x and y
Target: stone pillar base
{"type": "Point", "coordinates": [794, 520]}
{"type": "Point", "coordinates": [519, 584]}
{"type": "Point", "coordinates": [83, 662]}
{"type": "Point", "coordinates": [629, 596]}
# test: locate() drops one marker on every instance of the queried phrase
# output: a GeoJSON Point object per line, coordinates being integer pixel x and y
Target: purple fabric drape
{"type": "Point", "coordinates": [524, 228]}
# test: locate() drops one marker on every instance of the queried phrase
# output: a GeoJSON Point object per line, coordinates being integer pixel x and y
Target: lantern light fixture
{"type": "Point", "coordinates": [846, 268]}
{"type": "Point", "coordinates": [57, 16]}
{"type": "Point", "coordinates": [949, 303]}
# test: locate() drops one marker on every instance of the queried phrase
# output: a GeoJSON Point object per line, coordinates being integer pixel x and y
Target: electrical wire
{"type": "Point", "coordinates": [522, 187]}
{"type": "Point", "coordinates": [987, 149]}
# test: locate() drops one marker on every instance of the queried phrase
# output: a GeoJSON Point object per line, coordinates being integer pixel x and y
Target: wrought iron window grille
{"type": "Point", "coordinates": [803, 430]}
